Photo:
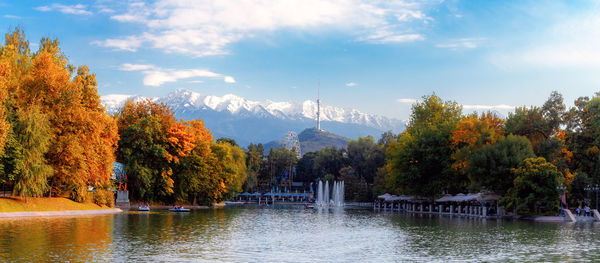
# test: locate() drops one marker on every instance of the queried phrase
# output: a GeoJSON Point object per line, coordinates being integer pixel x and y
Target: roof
{"type": "Point", "coordinates": [481, 197]}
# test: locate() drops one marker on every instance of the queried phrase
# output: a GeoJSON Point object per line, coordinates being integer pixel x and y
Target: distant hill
{"type": "Point", "coordinates": [312, 140]}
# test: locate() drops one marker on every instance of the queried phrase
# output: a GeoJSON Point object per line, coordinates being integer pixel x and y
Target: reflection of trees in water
{"type": "Point", "coordinates": [439, 237]}
{"type": "Point", "coordinates": [143, 236]}
{"type": "Point", "coordinates": [52, 239]}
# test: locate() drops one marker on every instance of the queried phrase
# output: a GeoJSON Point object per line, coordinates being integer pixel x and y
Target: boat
{"type": "Point", "coordinates": [179, 209]}
{"type": "Point", "coordinates": [308, 206]}
{"type": "Point", "coordinates": [231, 203]}
{"type": "Point", "coordinates": [143, 208]}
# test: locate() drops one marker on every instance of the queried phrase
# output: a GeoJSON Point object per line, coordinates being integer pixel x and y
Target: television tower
{"type": "Point", "coordinates": [319, 107]}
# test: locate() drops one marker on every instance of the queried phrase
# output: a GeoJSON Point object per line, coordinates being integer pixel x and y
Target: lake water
{"type": "Point", "coordinates": [292, 235]}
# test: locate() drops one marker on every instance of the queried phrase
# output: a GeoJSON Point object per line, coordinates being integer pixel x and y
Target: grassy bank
{"type": "Point", "coordinates": [17, 204]}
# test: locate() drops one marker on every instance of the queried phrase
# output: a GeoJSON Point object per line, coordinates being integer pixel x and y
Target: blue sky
{"type": "Point", "coordinates": [374, 56]}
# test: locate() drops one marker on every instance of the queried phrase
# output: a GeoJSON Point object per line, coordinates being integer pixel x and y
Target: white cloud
{"type": "Point", "coordinates": [489, 107]}
{"type": "Point", "coordinates": [461, 43]}
{"type": "Point", "coordinates": [229, 79]}
{"type": "Point", "coordinates": [77, 9]}
{"type": "Point", "coordinates": [155, 76]}
{"type": "Point", "coordinates": [351, 84]}
{"type": "Point", "coordinates": [131, 43]}
{"type": "Point", "coordinates": [136, 67]}
{"type": "Point", "coordinates": [202, 28]}
{"type": "Point", "coordinates": [104, 9]}
{"type": "Point", "coordinates": [467, 106]}
{"type": "Point", "coordinates": [571, 43]}
{"type": "Point", "coordinates": [411, 101]}
{"type": "Point", "coordinates": [11, 16]}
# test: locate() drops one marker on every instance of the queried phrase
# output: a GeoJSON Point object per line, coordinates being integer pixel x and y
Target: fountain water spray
{"type": "Point", "coordinates": [337, 193]}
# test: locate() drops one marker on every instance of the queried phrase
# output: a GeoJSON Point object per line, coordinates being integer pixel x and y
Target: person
{"type": "Point", "coordinates": [587, 210]}
{"type": "Point", "coordinates": [578, 211]}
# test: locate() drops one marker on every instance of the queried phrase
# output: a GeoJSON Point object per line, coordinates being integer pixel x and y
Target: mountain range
{"type": "Point", "coordinates": [263, 121]}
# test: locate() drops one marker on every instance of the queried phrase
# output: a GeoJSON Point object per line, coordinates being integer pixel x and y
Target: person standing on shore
{"type": "Point", "coordinates": [587, 210]}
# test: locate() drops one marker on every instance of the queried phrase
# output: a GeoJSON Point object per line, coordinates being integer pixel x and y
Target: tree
{"type": "Point", "coordinates": [305, 168]}
{"type": "Point", "coordinates": [471, 134]}
{"type": "Point", "coordinates": [231, 166]}
{"type": "Point", "coordinates": [195, 177]}
{"type": "Point", "coordinates": [227, 140]}
{"type": "Point", "coordinates": [365, 157]}
{"type": "Point", "coordinates": [33, 136]}
{"type": "Point", "coordinates": [419, 163]}
{"type": "Point", "coordinates": [151, 145]}
{"type": "Point", "coordinates": [542, 126]}
{"type": "Point", "coordinates": [254, 159]}
{"type": "Point", "coordinates": [491, 166]}
{"type": "Point", "coordinates": [82, 136]}
{"type": "Point", "coordinates": [280, 162]}
{"type": "Point", "coordinates": [330, 160]}
{"type": "Point", "coordinates": [535, 189]}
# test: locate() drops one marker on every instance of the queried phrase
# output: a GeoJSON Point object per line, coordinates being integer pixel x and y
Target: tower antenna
{"type": "Point", "coordinates": [319, 106]}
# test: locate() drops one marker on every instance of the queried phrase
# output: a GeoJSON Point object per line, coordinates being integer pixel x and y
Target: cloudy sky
{"type": "Point", "coordinates": [375, 56]}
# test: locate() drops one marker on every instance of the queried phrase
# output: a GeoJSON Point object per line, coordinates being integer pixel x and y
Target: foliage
{"type": "Point", "coordinates": [535, 188]}
{"type": "Point", "coordinates": [231, 166]}
{"type": "Point", "coordinates": [419, 163]}
{"type": "Point", "coordinates": [280, 164]}
{"type": "Point", "coordinates": [490, 167]}
{"type": "Point", "coordinates": [104, 197]}
{"type": "Point", "coordinates": [365, 157]}
{"type": "Point", "coordinates": [33, 136]}
{"type": "Point", "coordinates": [81, 136]}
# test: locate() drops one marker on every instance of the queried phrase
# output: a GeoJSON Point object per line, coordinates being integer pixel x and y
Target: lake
{"type": "Point", "coordinates": [288, 234]}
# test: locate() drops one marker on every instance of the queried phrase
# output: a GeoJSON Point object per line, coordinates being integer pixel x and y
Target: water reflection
{"type": "Point", "coordinates": [56, 239]}
{"type": "Point", "coordinates": [292, 234]}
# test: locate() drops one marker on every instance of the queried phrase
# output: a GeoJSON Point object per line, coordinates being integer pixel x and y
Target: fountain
{"type": "Point", "coordinates": [337, 193]}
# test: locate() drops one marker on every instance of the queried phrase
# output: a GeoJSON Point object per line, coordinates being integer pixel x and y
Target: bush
{"type": "Point", "coordinates": [79, 194]}
{"type": "Point", "coordinates": [103, 197]}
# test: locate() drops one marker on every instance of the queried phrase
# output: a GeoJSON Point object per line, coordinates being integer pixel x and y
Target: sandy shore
{"type": "Point", "coordinates": [60, 213]}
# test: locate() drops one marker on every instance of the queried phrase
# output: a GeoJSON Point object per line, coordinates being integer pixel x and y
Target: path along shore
{"type": "Point", "coordinates": [60, 213]}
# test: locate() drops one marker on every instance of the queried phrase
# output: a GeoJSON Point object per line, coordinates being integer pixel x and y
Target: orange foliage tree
{"type": "Point", "coordinates": [472, 133]}
{"type": "Point", "coordinates": [84, 137]}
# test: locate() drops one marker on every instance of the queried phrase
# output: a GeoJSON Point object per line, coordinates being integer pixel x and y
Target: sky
{"type": "Point", "coordinates": [375, 56]}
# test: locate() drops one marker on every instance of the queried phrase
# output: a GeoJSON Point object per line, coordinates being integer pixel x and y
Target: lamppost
{"type": "Point", "coordinates": [562, 189]}
{"type": "Point", "coordinates": [588, 189]}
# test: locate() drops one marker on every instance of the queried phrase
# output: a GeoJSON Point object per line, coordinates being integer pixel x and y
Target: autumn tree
{"type": "Point", "coordinates": [82, 136]}
{"type": "Point", "coordinates": [231, 166]}
{"type": "Point", "coordinates": [195, 176]}
{"type": "Point", "coordinates": [152, 143]}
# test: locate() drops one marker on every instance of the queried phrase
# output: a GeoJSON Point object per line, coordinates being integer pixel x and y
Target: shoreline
{"type": "Point", "coordinates": [105, 211]}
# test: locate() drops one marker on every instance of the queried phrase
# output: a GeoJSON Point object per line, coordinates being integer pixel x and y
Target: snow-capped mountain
{"type": "Point", "coordinates": [262, 121]}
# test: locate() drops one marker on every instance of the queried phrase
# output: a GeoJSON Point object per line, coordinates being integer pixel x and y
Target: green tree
{"type": "Point", "coordinates": [33, 134]}
{"type": "Point", "coordinates": [535, 188]}
{"type": "Point", "coordinates": [365, 157]}
{"type": "Point", "coordinates": [420, 162]}
{"type": "Point", "coordinates": [280, 162]}
{"type": "Point", "coordinates": [142, 146]}
{"type": "Point", "coordinates": [330, 160]}
{"type": "Point", "coordinates": [491, 166]}
{"type": "Point", "coordinates": [254, 159]}
{"type": "Point", "coordinates": [305, 168]}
